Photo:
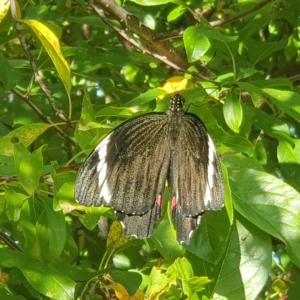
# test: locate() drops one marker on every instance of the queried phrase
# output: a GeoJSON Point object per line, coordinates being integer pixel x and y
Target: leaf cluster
{"type": "Point", "coordinates": [71, 71]}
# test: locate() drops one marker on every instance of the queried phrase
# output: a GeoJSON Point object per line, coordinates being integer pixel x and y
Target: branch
{"type": "Point", "coordinates": [31, 60]}
{"type": "Point", "coordinates": [9, 242]}
{"type": "Point", "coordinates": [240, 15]}
{"type": "Point", "coordinates": [168, 54]}
{"type": "Point", "coordinates": [42, 116]}
{"type": "Point", "coordinates": [123, 34]}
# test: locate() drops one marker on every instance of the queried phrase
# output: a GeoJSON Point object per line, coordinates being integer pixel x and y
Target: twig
{"type": "Point", "coordinates": [42, 116]}
{"type": "Point", "coordinates": [155, 37]}
{"type": "Point", "coordinates": [9, 242]}
{"type": "Point", "coordinates": [240, 15]}
{"type": "Point", "coordinates": [31, 60]}
{"type": "Point", "coordinates": [132, 23]}
{"type": "Point", "coordinates": [122, 33]}
{"type": "Point", "coordinates": [295, 77]}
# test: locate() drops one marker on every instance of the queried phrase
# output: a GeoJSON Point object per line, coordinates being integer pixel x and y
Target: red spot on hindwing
{"type": "Point", "coordinates": [173, 202]}
{"type": "Point", "coordinates": [159, 200]}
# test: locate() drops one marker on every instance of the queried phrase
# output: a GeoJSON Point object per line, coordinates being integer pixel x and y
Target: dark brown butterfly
{"type": "Point", "coordinates": [129, 169]}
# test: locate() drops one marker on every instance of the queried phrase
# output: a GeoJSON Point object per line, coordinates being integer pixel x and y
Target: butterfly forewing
{"type": "Point", "coordinates": [127, 171]}
{"type": "Point", "coordinates": [200, 179]}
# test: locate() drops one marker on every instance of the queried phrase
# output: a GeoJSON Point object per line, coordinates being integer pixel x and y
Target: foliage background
{"type": "Point", "coordinates": [71, 71]}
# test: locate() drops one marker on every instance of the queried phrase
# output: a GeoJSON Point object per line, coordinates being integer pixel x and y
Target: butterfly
{"type": "Point", "coordinates": [130, 167]}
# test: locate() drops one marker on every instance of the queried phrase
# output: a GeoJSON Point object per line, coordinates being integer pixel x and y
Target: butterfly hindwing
{"type": "Point", "coordinates": [141, 225]}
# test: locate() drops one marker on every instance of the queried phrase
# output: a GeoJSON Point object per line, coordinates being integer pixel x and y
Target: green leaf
{"type": "Point", "coordinates": [29, 167]}
{"type": "Point", "coordinates": [228, 198]}
{"type": "Point", "coordinates": [133, 74]}
{"type": "Point", "coordinates": [210, 240]}
{"type": "Point", "coordinates": [92, 215]}
{"type": "Point", "coordinates": [3, 215]}
{"type": "Point", "coordinates": [25, 135]}
{"type": "Point", "coordinates": [6, 295]}
{"type": "Point", "coordinates": [231, 161]}
{"type": "Point", "coordinates": [110, 111]}
{"type": "Point", "coordinates": [254, 91]}
{"type": "Point", "coordinates": [289, 162]}
{"type": "Point", "coordinates": [164, 235]}
{"type": "Point", "coordinates": [87, 140]}
{"type": "Point", "coordinates": [196, 39]}
{"type": "Point", "coordinates": [205, 29]}
{"type": "Point", "coordinates": [223, 140]}
{"type": "Point", "coordinates": [272, 83]}
{"type": "Point", "coordinates": [44, 230]}
{"type": "Point", "coordinates": [245, 73]}
{"type": "Point", "coordinates": [42, 277]}
{"type": "Point", "coordinates": [245, 266]}
{"type": "Point", "coordinates": [7, 166]}
{"type": "Point", "coordinates": [14, 203]}
{"type": "Point", "coordinates": [268, 203]}
{"type": "Point", "coordinates": [157, 283]}
{"type": "Point", "coordinates": [247, 262]}
{"type": "Point", "coordinates": [63, 188]}
{"type": "Point", "coordinates": [65, 194]}
{"type": "Point", "coordinates": [51, 45]}
{"type": "Point", "coordinates": [146, 97]}
{"type": "Point", "coordinates": [271, 125]}
{"type": "Point", "coordinates": [87, 132]}
{"type": "Point", "coordinates": [194, 284]}
{"type": "Point", "coordinates": [288, 101]}
{"type": "Point", "coordinates": [176, 13]}
{"type": "Point", "coordinates": [87, 112]}
{"type": "Point", "coordinates": [181, 268]}
{"type": "Point", "coordinates": [196, 45]}
{"type": "Point", "coordinates": [261, 51]}
{"type": "Point", "coordinates": [151, 2]}
{"type": "Point", "coordinates": [233, 112]}
{"type": "Point", "coordinates": [130, 280]}
{"type": "Point", "coordinates": [8, 76]}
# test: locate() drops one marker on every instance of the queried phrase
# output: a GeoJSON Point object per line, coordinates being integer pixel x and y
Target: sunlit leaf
{"type": "Point", "coordinates": [25, 135]}
{"type": "Point", "coordinates": [116, 237]}
{"type": "Point", "coordinates": [233, 112]}
{"type": "Point", "coordinates": [129, 280]}
{"type": "Point", "coordinates": [51, 44]}
{"type": "Point", "coordinates": [4, 7]}
{"type": "Point", "coordinates": [268, 203]}
{"type": "Point", "coordinates": [42, 277]}
{"type": "Point", "coordinates": [29, 167]}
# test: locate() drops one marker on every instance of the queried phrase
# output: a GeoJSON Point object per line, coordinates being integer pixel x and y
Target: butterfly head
{"type": "Point", "coordinates": [176, 103]}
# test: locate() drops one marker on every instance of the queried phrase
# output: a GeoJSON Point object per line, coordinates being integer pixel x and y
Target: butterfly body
{"type": "Point", "coordinates": [129, 169]}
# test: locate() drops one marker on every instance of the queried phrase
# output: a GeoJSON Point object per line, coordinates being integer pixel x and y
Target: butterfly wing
{"type": "Point", "coordinates": [127, 171]}
{"type": "Point", "coordinates": [196, 181]}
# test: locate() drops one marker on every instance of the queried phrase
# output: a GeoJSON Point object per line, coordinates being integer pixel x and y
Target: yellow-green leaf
{"type": "Point", "coordinates": [4, 7]}
{"type": "Point", "coordinates": [116, 237]}
{"type": "Point", "coordinates": [25, 135]}
{"type": "Point", "coordinates": [51, 44]}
